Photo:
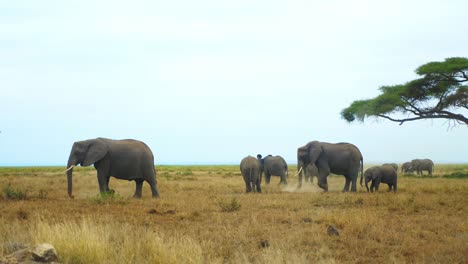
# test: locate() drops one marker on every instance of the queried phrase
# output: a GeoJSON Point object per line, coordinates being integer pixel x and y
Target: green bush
{"type": "Point", "coordinates": [10, 193]}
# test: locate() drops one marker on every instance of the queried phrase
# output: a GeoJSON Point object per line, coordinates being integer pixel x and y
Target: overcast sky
{"type": "Point", "coordinates": [209, 82]}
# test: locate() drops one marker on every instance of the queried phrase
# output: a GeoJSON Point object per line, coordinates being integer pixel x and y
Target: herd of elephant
{"type": "Point", "coordinates": [320, 159]}
{"type": "Point", "coordinates": [133, 160]}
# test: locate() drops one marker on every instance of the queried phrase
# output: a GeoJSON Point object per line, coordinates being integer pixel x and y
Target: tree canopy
{"type": "Point", "coordinates": [440, 92]}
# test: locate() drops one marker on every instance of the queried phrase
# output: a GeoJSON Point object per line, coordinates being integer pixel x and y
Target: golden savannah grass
{"type": "Point", "coordinates": [205, 216]}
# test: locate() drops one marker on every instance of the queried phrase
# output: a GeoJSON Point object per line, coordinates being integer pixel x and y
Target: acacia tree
{"type": "Point", "coordinates": [440, 92]}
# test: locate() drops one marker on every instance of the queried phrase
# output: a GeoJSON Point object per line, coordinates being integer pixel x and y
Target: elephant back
{"type": "Point", "coordinates": [275, 165]}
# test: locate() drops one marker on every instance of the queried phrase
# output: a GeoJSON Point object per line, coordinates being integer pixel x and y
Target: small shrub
{"type": "Point", "coordinates": [232, 206]}
{"type": "Point", "coordinates": [11, 193]}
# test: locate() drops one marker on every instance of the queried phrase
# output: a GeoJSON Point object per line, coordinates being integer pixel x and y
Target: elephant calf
{"type": "Point", "coordinates": [251, 172]}
{"type": "Point", "coordinates": [381, 174]}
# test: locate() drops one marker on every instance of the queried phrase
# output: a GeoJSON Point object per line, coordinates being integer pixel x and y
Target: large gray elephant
{"type": "Point", "coordinates": [381, 174]}
{"type": "Point", "coordinates": [406, 167]}
{"type": "Point", "coordinates": [123, 159]}
{"type": "Point", "coordinates": [420, 165]}
{"type": "Point", "coordinates": [274, 165]}
{"type": "Point", "coordinates": [393, 165]}
{"type": "Point", "coordinates": [340, 158]}
{"type": "Point", "coordinates": [252, 173]}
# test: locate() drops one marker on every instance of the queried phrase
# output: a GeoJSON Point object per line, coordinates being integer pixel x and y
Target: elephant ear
{"type": "Point", "coordinates": [315, 149]}
{"type": "Point", "coordinates": [97, 149]}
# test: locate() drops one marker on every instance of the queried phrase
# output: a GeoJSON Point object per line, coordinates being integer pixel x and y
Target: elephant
{"type": "Point", "coordinates": [273, 165]}
{"type": "Point", "coordinates": [340, 158]}
{"type": "Point", "coordinates": [420, 165]}
{"type": "Point", "coordinates": [393, 165]}
{"type": "Point", "coordinates": [252, 173]}
{"type": "Point", "coordinates": [406, 167]}
{"type": "Point", "coordinates": [126, 159]}
{"type": "Point", "coordinates": [381, 174]}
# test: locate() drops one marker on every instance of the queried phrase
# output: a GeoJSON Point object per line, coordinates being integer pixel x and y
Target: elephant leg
{"type": "Point", "coordinates": [154, 189]}
{"type": "Point", "coordinates": [284, 180]}
{"type": "Point", "coordinates": [377, 187]}
{"type": "Point", "coordinates": [346, 186]}
{"type": "Point", "coordinates": [107, 186]}
{"type": "Point", "coordinates": [259, 188]}
{"type": "Point", "coordinates": [103, 181]}
{"type": "Point", "coordinates": [322, 179]}
{"type": "Point", "coordinates": [372, 187]}
{"type": "Point", "coordinates": [139, 185]}
{"type": "Point", "coordinates": [354, 183]}
{"type": "Point", "coordinates": [248, 187]}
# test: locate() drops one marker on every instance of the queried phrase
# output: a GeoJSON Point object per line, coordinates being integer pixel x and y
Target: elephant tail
{"type": "Point", "coordinates": [362, 170]}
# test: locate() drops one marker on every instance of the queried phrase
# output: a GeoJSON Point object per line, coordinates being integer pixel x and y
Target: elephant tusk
{"type": "Point", "coordinates": [298, 171]}
{"type": "Point", "coordinates": [71, 167]}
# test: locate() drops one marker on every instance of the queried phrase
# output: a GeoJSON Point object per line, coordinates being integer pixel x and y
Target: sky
{"type": "Point", "coordinates": [210, 82]}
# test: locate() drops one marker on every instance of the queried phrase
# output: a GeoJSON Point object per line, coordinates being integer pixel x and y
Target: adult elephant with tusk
{"type": "Point", "coordinates": [340, 158]}
{"type": "Point", "coordinates": [126, 159]}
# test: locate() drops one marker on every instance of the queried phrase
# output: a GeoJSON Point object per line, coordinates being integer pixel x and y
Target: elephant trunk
{"type": "Point", "coordinates": [362, 169]}
{"type": "Point", "coordinates": [324, 186]}
{"type": "Point", "coordinates": [69, 177]}
{"type": "Point", "coordinates": [367, 181]}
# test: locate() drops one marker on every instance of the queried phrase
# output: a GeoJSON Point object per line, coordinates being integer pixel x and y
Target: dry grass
{"type": "Point", "coordinates": [204, 216]}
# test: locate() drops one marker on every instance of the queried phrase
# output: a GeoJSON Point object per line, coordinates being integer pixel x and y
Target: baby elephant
{"type": "Point", "coordinates": [251, 171]}
{"type": "Point", "coordinates": [381, 174]}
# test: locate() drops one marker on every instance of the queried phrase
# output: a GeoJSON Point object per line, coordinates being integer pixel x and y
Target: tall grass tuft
{"type": "Point", "coordinates": [86, 241]}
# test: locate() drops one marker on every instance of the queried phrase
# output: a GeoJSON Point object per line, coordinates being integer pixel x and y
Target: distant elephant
{"type": "Point", "coordinates": [406, 167]}
{"type": "Point", "coordinates": [274, 165]}
{"type": "Point", "coordinates": [420, 165]}
{"type": "Point", "coordinates": [251, 172]}
{"type": "Point", "coordinates": [123, 159]}
{"type": "Point", "coordinates": [381, 174]}
{"type": "Point", "coordinates": [341, 158]}
{"type": "Point", "coordinates": [393, 165]}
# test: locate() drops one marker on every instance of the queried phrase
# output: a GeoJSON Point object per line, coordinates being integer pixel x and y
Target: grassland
{"type": "Point", "coordinates": [204, 216]}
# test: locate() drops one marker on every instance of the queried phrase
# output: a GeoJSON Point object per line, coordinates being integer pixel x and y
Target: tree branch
{"type": "Point", "coordinates": [447, 115]}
